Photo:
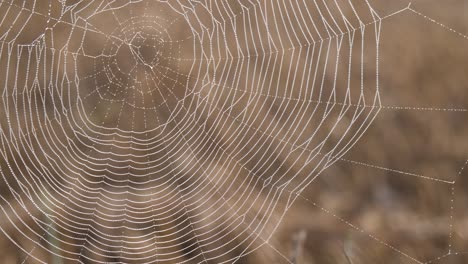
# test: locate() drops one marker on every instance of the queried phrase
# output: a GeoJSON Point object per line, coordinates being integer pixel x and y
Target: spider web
{"type": "Point", "coordinates": [176, 131]}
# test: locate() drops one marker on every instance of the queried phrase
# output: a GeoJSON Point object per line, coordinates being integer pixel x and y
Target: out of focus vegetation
{"type": "Point", "coordinates": [401, 194]}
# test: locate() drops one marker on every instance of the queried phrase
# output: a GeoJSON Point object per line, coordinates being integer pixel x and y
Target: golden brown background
{"type": "Point", "coordinates": [399, 195]}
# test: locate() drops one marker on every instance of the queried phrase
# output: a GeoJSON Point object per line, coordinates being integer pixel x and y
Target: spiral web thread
{"type": "Point", "coordinates": [175, 131]}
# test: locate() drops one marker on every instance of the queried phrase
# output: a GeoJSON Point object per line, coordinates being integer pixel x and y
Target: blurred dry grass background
{"type": "Point", "coordinates": [390, 199]}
